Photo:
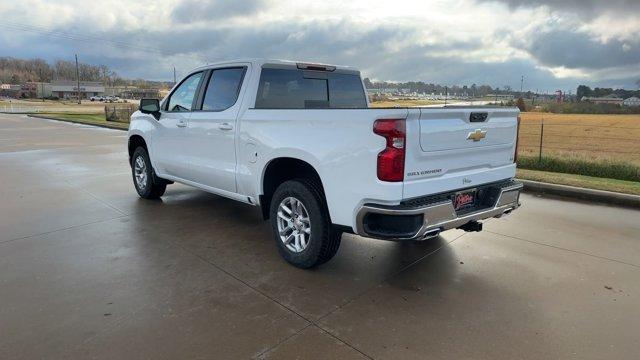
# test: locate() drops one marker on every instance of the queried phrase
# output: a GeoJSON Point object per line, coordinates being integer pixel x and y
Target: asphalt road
{"type": "Point", "coordinates": [89, 270]}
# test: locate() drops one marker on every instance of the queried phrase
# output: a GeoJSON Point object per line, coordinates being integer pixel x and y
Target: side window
{"type": "Point", "coordinates": [222, 91]}
{"type": "Point", "coordinates": [289, 89]}
{"type": "Point", "coordinates": [182, 98]}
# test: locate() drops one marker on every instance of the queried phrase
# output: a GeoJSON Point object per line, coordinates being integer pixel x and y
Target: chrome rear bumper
{"type": "Point", "coordinates": [441, 215]}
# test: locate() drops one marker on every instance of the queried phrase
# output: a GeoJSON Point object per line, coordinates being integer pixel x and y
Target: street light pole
{"type": "Point", "coordinates": [77, 79]}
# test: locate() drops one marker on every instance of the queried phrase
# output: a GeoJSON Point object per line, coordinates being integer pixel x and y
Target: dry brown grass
{"type": "Point", "coordinates": [56, 106]}
{"type": "Point", "coordinates": [593, 137]}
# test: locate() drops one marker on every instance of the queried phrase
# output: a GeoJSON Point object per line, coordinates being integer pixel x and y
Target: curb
{"type": "Point", "coordinates": [107, 126]}
{"type": "Point", "coordinates": [592, 195]}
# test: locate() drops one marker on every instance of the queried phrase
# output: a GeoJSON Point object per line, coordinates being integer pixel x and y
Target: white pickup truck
{"type": "Point", "coordinates": [300, 141]}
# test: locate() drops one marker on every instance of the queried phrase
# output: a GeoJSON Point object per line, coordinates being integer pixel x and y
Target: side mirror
{"type": "Point", "coordinates": [150, 106]}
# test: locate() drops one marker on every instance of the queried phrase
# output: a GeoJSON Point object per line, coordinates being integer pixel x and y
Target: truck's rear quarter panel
{"type": "Point", "coordinates": [338, 143]}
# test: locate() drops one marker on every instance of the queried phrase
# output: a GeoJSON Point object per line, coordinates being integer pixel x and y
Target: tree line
{"type": "Point", "coordinates": [20, 71]}
{"type": "Point", "coordinates": [584, 90]}
{"type": "Point", "coordinates": [428, 88]}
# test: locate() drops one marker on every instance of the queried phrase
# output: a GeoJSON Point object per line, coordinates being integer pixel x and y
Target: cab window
{"type": "Point", "coordinates": [297, 89]}
{"type": "Point", "coordinates": [223, 88]}
{"type": "Point", "coordinates": [182, 97]}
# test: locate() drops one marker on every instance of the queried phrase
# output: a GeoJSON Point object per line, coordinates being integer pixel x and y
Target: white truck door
{"type": "Point", "coordinates": [169, 155]}
{"type": "Point", "coordinates": [212, 129]}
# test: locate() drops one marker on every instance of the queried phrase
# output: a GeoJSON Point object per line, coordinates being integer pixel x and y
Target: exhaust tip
{"type": "Point", "coordinates": [431, 233]}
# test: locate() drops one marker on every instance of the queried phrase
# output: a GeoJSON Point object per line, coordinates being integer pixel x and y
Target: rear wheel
{"type": "Point", "coordinates": [301, 225]}
{"type": "Point", "coordinates": [147, 184]}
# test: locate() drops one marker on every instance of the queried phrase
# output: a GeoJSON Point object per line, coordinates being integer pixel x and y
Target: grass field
{"type": "Point", "coordinates": [89, 119]}
{"type": "Point", "coordinates": [590, 182]}
{"type": "Point", "coordinates": [58, 106]}
{"type": "Point", "coordinates": [595, 138]}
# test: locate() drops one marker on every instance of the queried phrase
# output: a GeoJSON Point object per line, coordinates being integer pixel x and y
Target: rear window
{"type": "Point", "coordinates": [222, 90]}
{"type": "Point", "coordinates": [298, 89]}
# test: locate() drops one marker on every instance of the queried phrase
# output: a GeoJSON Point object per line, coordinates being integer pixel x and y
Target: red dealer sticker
{"type": "Point", "coordinates": [464, 199]}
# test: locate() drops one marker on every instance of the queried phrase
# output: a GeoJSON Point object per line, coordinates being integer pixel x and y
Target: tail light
{"type": "Point", "coordinates": [515, 152]}
{"type": "Point", "coordinates": [391, 159]}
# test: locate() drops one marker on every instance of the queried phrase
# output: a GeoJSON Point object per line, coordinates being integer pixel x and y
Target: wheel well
{"type": "Point", "coordinates": [134, 142]}
{"type": "Point", "coordinates": [280, 170]}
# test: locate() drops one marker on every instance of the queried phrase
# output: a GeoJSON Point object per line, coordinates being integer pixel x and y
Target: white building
{"type": "Point", "coordinates": [632, 101]}
{"type": "Point", "coordinates": [602, 100]}
{"type": "Point", "coordinates": [67, 89]}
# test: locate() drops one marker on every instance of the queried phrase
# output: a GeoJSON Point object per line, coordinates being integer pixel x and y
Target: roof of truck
{"type": "Point", "coordinates": [259, 62]}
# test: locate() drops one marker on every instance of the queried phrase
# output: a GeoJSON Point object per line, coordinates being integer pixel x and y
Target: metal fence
{"type": "Point", "coordinates": [120, 113]}
{"type": "Point", "coordinates": [578, 140]}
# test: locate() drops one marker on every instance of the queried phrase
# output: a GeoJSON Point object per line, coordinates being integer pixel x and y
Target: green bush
{"type": "Point", "coordinates": [520, 104]}
{"type": "Point", "coordinates": [605, 169]}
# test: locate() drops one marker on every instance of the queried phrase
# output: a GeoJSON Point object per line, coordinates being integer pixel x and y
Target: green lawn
{"type": "Point", "coordinates": [622, 186]}
{"type": "Point", "coordinates": [89, 119]}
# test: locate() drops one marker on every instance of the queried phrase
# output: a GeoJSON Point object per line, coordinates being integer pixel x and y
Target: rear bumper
{"type": "Point", "coordinates": [419, 219]}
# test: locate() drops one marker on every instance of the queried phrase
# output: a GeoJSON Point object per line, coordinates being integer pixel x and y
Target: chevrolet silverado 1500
{"type": "Point", "coordinates": [300, 141]}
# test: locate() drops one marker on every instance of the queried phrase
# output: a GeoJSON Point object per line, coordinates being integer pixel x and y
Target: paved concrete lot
{"type": "Point", "coordinates": [89, 270]}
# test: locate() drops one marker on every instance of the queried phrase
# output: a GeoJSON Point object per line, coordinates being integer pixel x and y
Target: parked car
{"type": "Point", "coordinates": [300, 141]}
{"type": "Point", "coordinates": [97, 98]}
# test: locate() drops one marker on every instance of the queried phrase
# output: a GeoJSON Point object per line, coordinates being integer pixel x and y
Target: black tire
{"type": "Point", "coordinates": [324, 240]}
{"type": "Point", "coordinates": [154, 187]}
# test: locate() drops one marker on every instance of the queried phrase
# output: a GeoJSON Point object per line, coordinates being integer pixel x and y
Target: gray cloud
{"type": "Point", "coordinates": [204, 10]}
{"type": "Point", "coordinates": [585, 8]}
{"type": "Point", "coordinates": [578, 50]}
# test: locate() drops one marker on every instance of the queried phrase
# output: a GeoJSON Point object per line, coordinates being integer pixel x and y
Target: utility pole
{"type": "Point", "coordinates": [78, 79]}
{"type": "Point", "coordinates": [446, 95]}
{"type": "Point", "coordinates": [521, 82]}
{"type": "Point", "coordinates": [174, 76]}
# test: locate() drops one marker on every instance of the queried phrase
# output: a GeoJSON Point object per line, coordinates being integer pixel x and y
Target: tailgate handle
{"type": "Point", "coordinates": [478, 117]}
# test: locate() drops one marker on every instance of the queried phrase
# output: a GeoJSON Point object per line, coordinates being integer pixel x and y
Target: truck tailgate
{"type": "Point", "coordinates": [453, 148]}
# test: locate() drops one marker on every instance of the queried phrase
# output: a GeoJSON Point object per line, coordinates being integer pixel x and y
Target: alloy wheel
{"type": "Point", "coordinates": [294, 226]}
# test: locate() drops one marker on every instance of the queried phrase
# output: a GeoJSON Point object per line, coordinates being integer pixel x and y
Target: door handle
{"type": "Point", "coordinates": [181, 123]}
{"type": "Point", "coordinates": [225, 126]}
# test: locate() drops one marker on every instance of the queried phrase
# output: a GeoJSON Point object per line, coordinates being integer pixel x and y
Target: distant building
{"type": "Point", "coordinates": [131, 92]}
{"type": "Point", "coordinates": [10, 90]}
{"type": "Point", "coordinates": [500, 96]}
{"type": "Point", "coordinates": [66, 89]}
{"type": "Point", "coordinates": [35, 89]}
{"type": "Point", "coordinates": [602, 100]}
{"type": "Point", "coordinates": [116, 90]}
{"type": "Point", "coordinates": [135, 93]}
{"type": "Point", "coordinates": [632, 101]}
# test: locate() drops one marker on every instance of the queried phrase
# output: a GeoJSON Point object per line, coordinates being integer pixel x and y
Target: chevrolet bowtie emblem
{"type": "Point", "coordinates": [477, 135]}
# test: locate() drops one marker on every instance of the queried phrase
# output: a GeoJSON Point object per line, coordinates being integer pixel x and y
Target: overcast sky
{"type": "Point", "coordinates": [554, 44]}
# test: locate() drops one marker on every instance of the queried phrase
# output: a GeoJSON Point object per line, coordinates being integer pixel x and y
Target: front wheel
{"type": "Point", "coordinates": [301, 225]}
{"type": "Point", "coordinates": [146, 183]}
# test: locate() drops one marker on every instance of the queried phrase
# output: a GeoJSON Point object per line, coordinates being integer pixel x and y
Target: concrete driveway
{"type": "Point", "coordinates": [89, 270]}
